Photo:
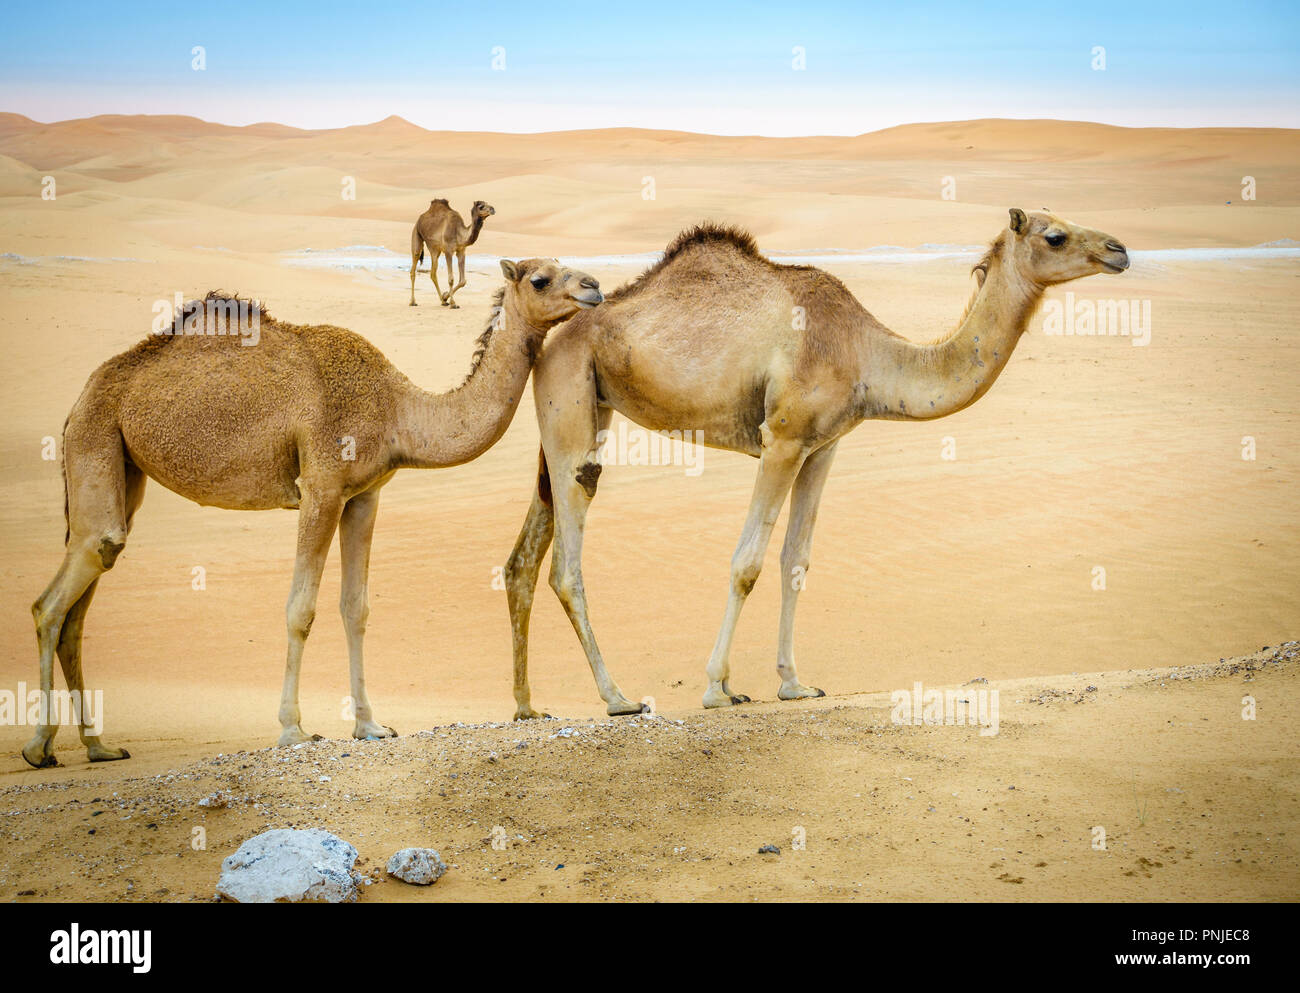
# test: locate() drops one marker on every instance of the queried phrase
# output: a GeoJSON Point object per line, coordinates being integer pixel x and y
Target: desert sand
{"type": "Point", "coordinates": [1089, 452]}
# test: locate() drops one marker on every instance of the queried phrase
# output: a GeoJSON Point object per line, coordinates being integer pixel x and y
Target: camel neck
{"type": "Point", "coordinates": [476, 225]}
{"type": "Point", "coordinates": [910, 381]}
{"type": "Point", "coordinates": [446, 429]}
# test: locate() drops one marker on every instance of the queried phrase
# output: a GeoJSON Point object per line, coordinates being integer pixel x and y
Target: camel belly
{"type": "Point", "coordinates": [227, 447]}
{"type": "Point", "coordinates": [230, 485]}
{"type": "Point", "coordinates": [732, 426]}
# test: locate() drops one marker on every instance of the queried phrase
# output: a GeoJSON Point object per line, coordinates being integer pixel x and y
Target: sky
{"type": "Point", "coordinates": [544, 65]}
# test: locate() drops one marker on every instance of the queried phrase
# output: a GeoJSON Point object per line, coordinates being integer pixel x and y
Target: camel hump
{"type": "Point", "coordinates": [445, 203]}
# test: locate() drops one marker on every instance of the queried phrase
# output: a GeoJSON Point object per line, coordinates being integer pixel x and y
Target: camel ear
{"type": "Point", "coordinates": [1019, 222]}
{"type": "Point", "coordinates": [511, 270]}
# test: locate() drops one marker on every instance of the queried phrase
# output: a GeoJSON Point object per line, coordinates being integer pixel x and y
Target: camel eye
{"type": "Point", "coordinates": [540, 282]}
{"type": "Point", "coordinates": [1056, 240]}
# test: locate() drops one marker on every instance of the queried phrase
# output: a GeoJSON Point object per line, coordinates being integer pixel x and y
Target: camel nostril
{"type": "Point", "coordinates": [590, 283]}
{"type": "Point", "coordinates": [1115, 246]}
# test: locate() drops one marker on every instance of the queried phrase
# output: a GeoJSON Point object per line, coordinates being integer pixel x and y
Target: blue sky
{"type": "Point", "coordinates": [721, 68]}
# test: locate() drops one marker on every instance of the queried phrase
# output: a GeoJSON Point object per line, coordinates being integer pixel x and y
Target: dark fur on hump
{"type": "Point", "coordinates": [157, 340]}
{"type": "Point", "coordinates": [138, 352]}
{"type": "Point", "coordinates": [706, 233]}
{"type": "Point", "coordinates": [225, 297]}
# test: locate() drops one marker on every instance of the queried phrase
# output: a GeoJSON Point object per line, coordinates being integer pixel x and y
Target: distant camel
{"type": "Point", "coordinates": [313, 418]}
{"type": "Point", "coordinates": [444, 231]}
{"type": "Point", "coordinates": [775, 361]}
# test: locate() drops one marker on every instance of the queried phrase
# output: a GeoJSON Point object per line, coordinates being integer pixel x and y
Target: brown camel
{"type": "Point", "coordinates": [774, 361]}
{"type": "Point", "coordinates": [312, 418]}
{"type": "Point", "coordinates": [444, 231]}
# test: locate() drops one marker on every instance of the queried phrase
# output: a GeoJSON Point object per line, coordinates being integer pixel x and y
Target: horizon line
{"type": "Point", "coordinates": [398, 119]}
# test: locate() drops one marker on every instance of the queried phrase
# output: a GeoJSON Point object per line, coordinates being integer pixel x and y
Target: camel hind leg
{"type": "Point", "coordinates": [521, 572]}
{"type": "Point", "coordinates": [90, 714]}
{"type": "Point", "coordinates": [417, 253]}
{"type": "Point", "coordinates": [99, 519]}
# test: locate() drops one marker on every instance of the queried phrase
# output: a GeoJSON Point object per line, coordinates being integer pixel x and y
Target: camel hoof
{"type": "Point", "coordinates": [46, 762]}
{"type": "Point", "coordinates": [376, 732]}
{"type": "Point", "coordinates": [454, 306]}
{"type": "Point", "coordinates": [799, 692]}
{"type": "Point", "coordinates": [108, 754]}
{"type": "Point", "coordinates": [530, 715]}
{"type": "Point", "coordinates": [723, 698]}
{"type": "Point", "coordinates": [627, 707]}
{"type": "Point", "coordinates": [414, 304]}
{"type": "Point", "coordinates": [297, 736]}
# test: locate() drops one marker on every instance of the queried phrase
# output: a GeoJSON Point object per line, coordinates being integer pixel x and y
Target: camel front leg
{"type": "Point", "coordinates": [573, 485]}
{"type": "Point", "coordinates": [433, 275]}
{"type": "Point", "coordinates": [356, 528]}
{"type": "Point", "coordinates": [777, 468]}
{"type": "Point", "coordinates": [460, 269]}
{"type": "Point", "coordinates": [796, 554]}
{"type": "Point", "coordinates": [451, 286]}
{"type": "Point", "coordinates": [318, 518]}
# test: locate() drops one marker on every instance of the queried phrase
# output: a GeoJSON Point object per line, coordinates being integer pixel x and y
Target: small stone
{"type": "Point", "coordinates": [418, 866]}
{"type": "Point", "coordinates": [769, 850]}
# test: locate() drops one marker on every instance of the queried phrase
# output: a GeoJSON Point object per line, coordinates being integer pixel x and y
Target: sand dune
{"type": "Point", "coordinates": [795, 189]}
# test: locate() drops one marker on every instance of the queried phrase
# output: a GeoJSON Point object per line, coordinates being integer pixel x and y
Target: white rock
{"type": "Point", "coordinates": [420, 866]}
{"type": "Point", "coordinates": [291, 866]}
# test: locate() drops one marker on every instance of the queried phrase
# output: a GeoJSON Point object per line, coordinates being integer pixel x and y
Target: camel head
{"type": "Point", "coordinates": [1047, 249]}
{"type": "Point", "coordinates": [546, 293]}
{"type": "Point", "coordinates": [482, 210]}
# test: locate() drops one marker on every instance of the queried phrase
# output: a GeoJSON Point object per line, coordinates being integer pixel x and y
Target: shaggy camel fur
{"type": "Point", "coordinates": [312, 418]}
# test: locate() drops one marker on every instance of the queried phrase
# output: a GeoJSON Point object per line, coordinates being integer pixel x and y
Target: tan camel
{"type": "Point", "coordinates": [774, 361]}
{"type": "Point", "coordinates": [313, 418]}
{"type": "Point", "coordinates": [444, 232]}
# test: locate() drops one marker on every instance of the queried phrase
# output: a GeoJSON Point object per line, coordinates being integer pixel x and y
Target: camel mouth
{"type": "Point", "coordinates": [1115, 267]}
{"type": "Point", "coordinates": [594, 298]}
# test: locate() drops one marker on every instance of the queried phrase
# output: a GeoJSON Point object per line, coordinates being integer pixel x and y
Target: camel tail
{"type": "Point", "coordinates": [543, 478]}
{"type": "Point", "coordinates": [417, 245]}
